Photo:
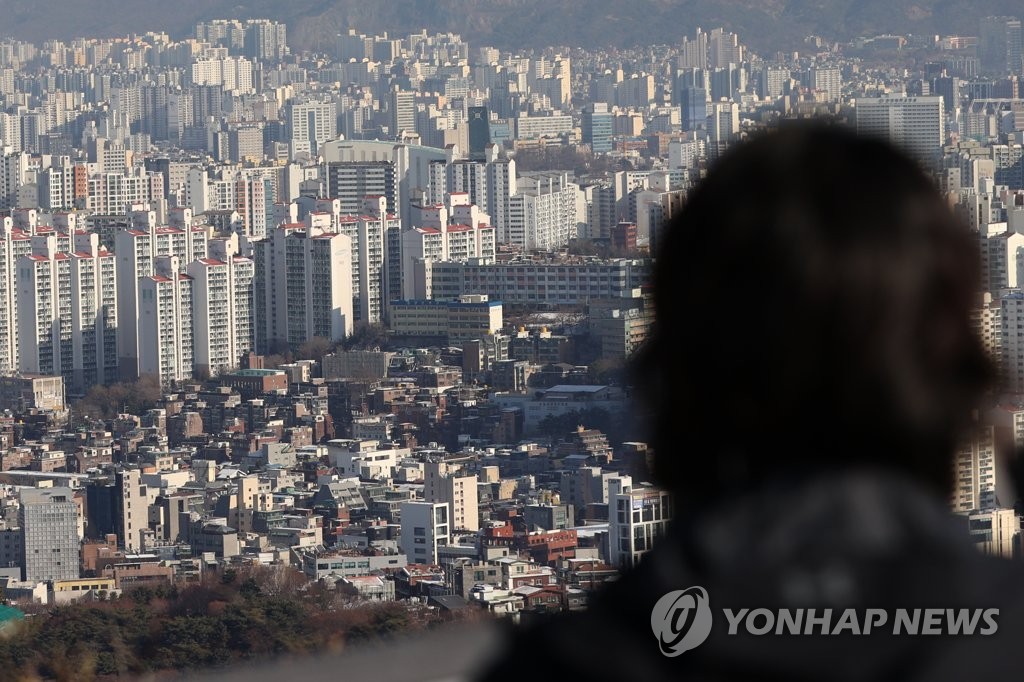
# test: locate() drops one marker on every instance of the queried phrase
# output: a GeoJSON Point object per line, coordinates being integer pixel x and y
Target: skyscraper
{"type": "Point", "coordinates": [479, 132]}
{"type": "Point", "coordinates": [597, 128]}
{"type": "Point", "coordinates": [999, 45]}
{"type": "Point", "coordinates": [694, 105]}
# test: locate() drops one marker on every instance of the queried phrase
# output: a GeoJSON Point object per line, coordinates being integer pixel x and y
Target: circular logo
{"type": "Point", "coordinates": [681, 620]}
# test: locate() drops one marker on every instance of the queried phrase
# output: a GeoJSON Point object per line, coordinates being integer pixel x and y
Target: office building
{"type": "Point", "coordinates": [694, 105]}
{"type": "Point", "coordinates": [48, 517]}
{"type": "Point", "coordinates": [532, 283]}
{"type": "Point", "coordinates": [449, 322]}
{"type": "Point", "coordinates": [915, 124]}
{"type": "Point", "coordinates": [638, 516]}
{"type": "Point", "coordinates": [597, 128]}
{"type": "Point", "coordinates": [350, 182]}
{"type": "Point", "coordinates": [999, 45]}
{"type": "Point", "coordinates": [995, 532]}
{"type": "Point", "coordinates": [479, 132]}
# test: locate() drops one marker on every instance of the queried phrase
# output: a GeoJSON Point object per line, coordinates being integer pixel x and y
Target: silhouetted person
{"type": "Point", "coordinates": [811, 370]}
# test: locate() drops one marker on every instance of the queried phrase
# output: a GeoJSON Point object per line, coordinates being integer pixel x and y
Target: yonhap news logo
{"type": "Point", "coordinates": [682, 620]}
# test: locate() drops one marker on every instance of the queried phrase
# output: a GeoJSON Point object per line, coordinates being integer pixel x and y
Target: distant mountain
{"type": "Point", "coordinates": [762, 24]}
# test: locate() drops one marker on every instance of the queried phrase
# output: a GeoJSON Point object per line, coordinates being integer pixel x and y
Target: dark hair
{"type": "Point", "coordinates": [812, 311]}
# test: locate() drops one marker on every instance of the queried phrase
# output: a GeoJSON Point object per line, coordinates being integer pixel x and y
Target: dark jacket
{"type": "Point", "coordinates": [862, 541]}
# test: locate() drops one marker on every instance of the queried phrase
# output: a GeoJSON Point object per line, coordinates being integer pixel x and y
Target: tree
{"type": "Point", "coordinates": [365, 336]}
{"type": "Point", "coordinates": [315, 349]}
{"type": "Point", "coordinates": [106, 402]}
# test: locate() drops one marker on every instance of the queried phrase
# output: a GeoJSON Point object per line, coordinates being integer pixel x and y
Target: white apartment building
{"type": "Point", "coordinates": [454, 232]}
{"type": "Point", "coordinates": [309, 125]}
{"type": "Point", "coordinates": [543, 214]}
{"type": "Point", "coordinates": [369, 232]}
{"type": "Point", "coordinates": [67, 312]}
{"type": "Point", "coordinates": [231, 73]}
{"type": "Point", "coordinates": [248, 191]}
{"type": "Point", "coordinates": [828, 80]}
{"type": "Point", "coordinates": [222, 314]}
{"type": "Point", "coordinates": [110, 193]}
{"type": "Point", "coordinates": [164, 323]}
{"type": "Point", "coordinates": [1005, 259]}
{"type": "Point", "coordinates": [14, 244]}
{"type": "Point", "coordinates": [136, 249]}
{"type": "Point", "coordinates": [303, 286]}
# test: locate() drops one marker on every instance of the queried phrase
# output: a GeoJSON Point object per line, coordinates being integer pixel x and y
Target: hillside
{"type": "Point", "coordinates": [764, 24]}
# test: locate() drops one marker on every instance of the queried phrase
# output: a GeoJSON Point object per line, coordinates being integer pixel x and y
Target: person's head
{"type": "Point", "coordinates": [812, 312]}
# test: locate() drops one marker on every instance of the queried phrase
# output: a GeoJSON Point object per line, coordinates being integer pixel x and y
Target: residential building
{"type": "Point", "coordinates": [67, 317]}
{"type": "Point", "coordinates": [302, 286]}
